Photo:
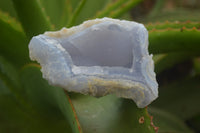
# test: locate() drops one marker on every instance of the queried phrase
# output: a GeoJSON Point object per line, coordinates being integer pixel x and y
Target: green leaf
{"type": "Point", "coordinates": [48, 100]}
{"type": "Point", "coordinates": [167, 122]}
{"type": "Point", "coordinates": [124, 8]}
{"type": "Point", "coordinates": [58, 11]}
{"type": "Point", "coordinates": [3, 87]}
{"type": "Point", "coordinates": [172, 25]}
{"type": "Point", "coordinates": [179, 14]}
{"type": "Point", "coordinates": [7, 6]}
{"type": "Point", "coordinates": [173, 40]}
{"type": "Point", "coordinates": [115, 9]}
{"type": "Point", "coordinates": [17, 113]}
{"type": "Point", "coordinates": [76, 13]}
{"type": "Point", "coordinates": [169, 60]}
{"type": "Point", "coordinates": [89, 10]}
{"type": "Point", "coordinates": [180, 98]}
{"type": "Point", "coordinates": [158, 6]}
{"type": "Point", "coordinates": [13, 42]}
{"type": "Point", "coordinates": [109, 7]}
{"type": "Point", "coordinates": [32, 17]}
{"type": "Point", "coordinates": [110, 114]}
{"type": "Point", "coordinates": [10, 79]}
{"type": "Point", "coordinates": [14, 119]}
{"type": "Point", "coordinates": [9, 72]}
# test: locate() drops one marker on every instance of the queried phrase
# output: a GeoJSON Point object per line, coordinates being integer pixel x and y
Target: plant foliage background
{"type": "Point", "coordinates": [29, 104]}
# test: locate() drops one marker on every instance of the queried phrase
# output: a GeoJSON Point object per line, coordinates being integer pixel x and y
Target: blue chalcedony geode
{"type": "Point", "coordinates": [99, 57]}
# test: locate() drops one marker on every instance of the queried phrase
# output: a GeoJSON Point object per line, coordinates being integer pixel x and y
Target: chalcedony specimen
{"type": "Point", "coordinates": [99, 57]}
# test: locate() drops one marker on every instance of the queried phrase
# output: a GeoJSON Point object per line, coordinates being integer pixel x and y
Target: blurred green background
{"type": "Point", "coordinates": [28, 104]}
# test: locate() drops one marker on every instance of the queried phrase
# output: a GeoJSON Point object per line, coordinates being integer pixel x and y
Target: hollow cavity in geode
{"type": "Point", "coordinates": [105, 45]}
{"type": "Point", "coordinates": [99, 57]}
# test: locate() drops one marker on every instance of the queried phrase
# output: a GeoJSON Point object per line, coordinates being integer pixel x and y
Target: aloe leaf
{"type": "Point", "coordinates": [18, 114]}
{"type": "Point", "coordinates": [15, 119]}
{"type": "Point", "coordinates": [10, 78]}
{"type": "Point", "coordinates": [67, 12]}
{"type": "Point", "coordinates": [10, 81]}
{"type": "Point", "coordinates": [110, 114]}
{"type": "Point", "coordinates": [174, 40]}
{"type": "Point", "coordinates": [175, 36]}
{"type": "Point", "coordinates": [42, 96]}
{"type": "Point", "coordinates": [3, 87]}
{"type": "Point", "coordinates": [124, 8]}
{"type": "Point", "coordinates": [89, 10]}
{"type": "Point", "coordinates": [7, 6]}
{"type": "Point", "coordinates": [56, 10]}
{"type": "Point", "coordinates": [158, 6]}
{"type": "Point", "coordinates": [167, 61]}
{"type": "Point", "coordinates": [32, 17]}
{"type": "Point", "coordinates": [168, 123]}
{"type": "Point", "coordinates": [69, 8]}
{"type": "Point", "coordinates": [115, 9]}
{"type": "Point", "coordinates": [76, 13]}
{"type": "Point", "coordinates": [13, 42]}
{"type": "Point", "coordinates": [109, 7]}
{"type": "Point", "coordinates": [180, 14]}
{"type": "Point", "coordinates": [184, 98]}
{"type": "Point", "coordinates": [173, 25]}
{"type": "Point", "coordinates": [9, 72]}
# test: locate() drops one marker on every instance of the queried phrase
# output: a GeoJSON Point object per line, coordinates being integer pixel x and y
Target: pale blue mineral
{"type": "Point", "coordinates": [99, 57]}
